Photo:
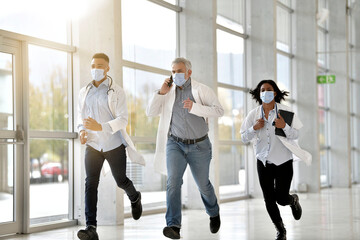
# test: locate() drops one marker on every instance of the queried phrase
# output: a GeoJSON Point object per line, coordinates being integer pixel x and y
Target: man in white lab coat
{"type": "Point", "coordinates": [184, 106]}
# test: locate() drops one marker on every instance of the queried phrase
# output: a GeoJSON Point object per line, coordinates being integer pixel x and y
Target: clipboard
{"type": "Point", "coordinates": [288, 118]}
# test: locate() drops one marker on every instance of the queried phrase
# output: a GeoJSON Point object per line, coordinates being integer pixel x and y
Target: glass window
{"type": "Point", "coordinates": [283, 29]}
{"type": "Point", "coordinates": [49, 187]}
{"type": "Point", "coordinates": [323, 13]}
{"type": "Point", "coordinates": [232, 170]}
{"type": "Point", "coordinates": [324, 170]}
{"type": "Point", "coordinates": [151, 183]}
{"type": "Point", "coordinates": [7, 183]}
{"type": "Point", "coordinates": [234, 111]}
{"type": "Point", "coordinates": [139, 87]}
{"type": "Point", "coordinates": [142, 42]}
{"type": "Point", "coordinates": [283, 73]}
{"type": "Point", "coordinates": [321, 46]}
{"type": "Point", "coordinates": [231, 14]}
{"type": "Point", "coordinates": [6, 92]}
{"type": "Point", "coordinates": [321, 95]}
{"type": "Point", "coordinates": [322, 127]}
{"type": "Point", "coordinates": [48, 77]}
{"type": "Point", "coordinates": [27, 17]}
{"type": "Point", "coordinates": [230, 59]}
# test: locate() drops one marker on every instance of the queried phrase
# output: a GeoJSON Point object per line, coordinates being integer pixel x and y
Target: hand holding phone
{"type": "Point", "coordinates": [171, 81]}
{"type": "Point", "coordinates": [165, 88]}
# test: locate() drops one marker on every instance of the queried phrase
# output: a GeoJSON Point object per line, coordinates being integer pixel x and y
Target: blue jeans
{"type": "Point", "coordinates": [198, 156]}
{"type": "Point", "coordinates": [94, 161]}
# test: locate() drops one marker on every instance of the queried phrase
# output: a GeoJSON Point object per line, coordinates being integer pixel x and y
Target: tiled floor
{"type": "Point", "coordinates": [332, 214]}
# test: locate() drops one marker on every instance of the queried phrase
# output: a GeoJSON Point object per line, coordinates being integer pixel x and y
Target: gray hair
{"type": "Point", "coordinates": [186, 62]}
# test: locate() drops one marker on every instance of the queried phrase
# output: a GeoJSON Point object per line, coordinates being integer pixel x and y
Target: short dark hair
{"type": "Point", "coordinates": [101, 55]}
{"type": "Point", "coordinates": [280, 95]}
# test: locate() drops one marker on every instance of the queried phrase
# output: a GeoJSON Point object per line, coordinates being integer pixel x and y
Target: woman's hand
{"type": "Point", "coordinates": [259, 124]}
{"type": "Point", "coordinates": [280, 122]}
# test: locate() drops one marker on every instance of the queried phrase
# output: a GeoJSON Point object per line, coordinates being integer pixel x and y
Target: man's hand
{"type": "Point", "coordinates": [280, 122]}
{"type": "Point", "coordinates": [83, 137]}
{"type": "Point", "coordinates": [92, 124]}
{"type": "Point", "coordinates": [259, 124]}
{"type": "Point", "coordinates": [165, 87]}
{"type": "Point", "coordinates": [188, 104]}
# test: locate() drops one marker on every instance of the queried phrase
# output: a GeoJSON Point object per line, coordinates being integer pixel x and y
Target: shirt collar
{"type": "Point", "coordinates": [105, 83]}
{"type": "Point", "coordinates": [187, 83]}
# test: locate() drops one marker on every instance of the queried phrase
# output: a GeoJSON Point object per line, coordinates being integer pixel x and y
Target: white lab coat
{"type": "Point", "coordinates": [206, 105]}
{"type": "Point", "coordinates": [292, 145]}
{"type": "Point", "coordinates": [118, 108]}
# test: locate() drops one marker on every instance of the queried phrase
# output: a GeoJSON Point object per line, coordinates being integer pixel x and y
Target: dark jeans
{"type": "Point", "coordinates": [275, 183]}
{"type": "Point", "coordinates": [94, 161]}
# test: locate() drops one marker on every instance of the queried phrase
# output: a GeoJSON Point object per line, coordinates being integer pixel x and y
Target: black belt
{"type": "Point", "coordinates": [188, 141]}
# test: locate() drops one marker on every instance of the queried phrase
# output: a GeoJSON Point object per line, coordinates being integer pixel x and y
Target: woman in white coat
{"type": "Point", "coordinates": [274, 158]}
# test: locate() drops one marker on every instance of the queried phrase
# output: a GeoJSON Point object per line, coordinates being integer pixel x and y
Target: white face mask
{"type": "Point", "coordinates": [97, 74]}
{"type": "Point", "coordinates": [267, 96]}
{"type": "Point", "coordinates": [179, 79]}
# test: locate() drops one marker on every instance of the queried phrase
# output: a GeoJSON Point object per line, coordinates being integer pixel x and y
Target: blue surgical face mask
{"type": "Point", "coordinates": [97, 74]}
{"type": "Point", "coordinates": [179, 79]}
{"type": "Point", "coordinates": [267, 96]}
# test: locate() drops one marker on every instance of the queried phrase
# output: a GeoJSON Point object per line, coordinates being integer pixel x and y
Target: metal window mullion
{"type": "Point", "coordinates": [287, 8]}
{"type": "Point", "coordinates": [322, 29]}
{"type": "Point", "coordinates": [52, 134]}
{"type": "Point", "coordinates": [38, 41]}
{"type": "Point", "coordinates": [228, 30]}
{"type": "Point", "coordinates": [289, 55]}
{"type": "Point", "coordinates": [232, 87]}
{"type": "Point", "coordinates": [326, 109]}
{"type": "Point", "coordinates": [167, 5]}
{"type": "Point", "coordinates": [4, 134]}
{"type": "Point", "coordinates": [147, 68]}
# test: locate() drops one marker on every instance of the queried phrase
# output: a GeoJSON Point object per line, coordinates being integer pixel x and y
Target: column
{"type": "Point", "coordinates": [197, 43]}
{"type": "Point", "coordinates": [260, 60]}
{"type": "Point", "coordinates": [339, 96]}
{"type": "Point", "coordinates": [306, 92]}
{"type": "Point", "coordinates": [97, 29]}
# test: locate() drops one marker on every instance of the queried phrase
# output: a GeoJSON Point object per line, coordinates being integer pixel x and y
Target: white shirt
{"type": "Point", "coordinates": [268, 147]}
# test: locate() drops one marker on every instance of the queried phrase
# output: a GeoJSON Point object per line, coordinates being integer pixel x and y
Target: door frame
{"type": "Point", "coordinates": [13, 47]}
{"type": "Point", "coordinates": [17, 44]}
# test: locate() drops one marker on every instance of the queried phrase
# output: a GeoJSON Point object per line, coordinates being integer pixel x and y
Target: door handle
{"type": "Point", "coordinates": [19, 137]}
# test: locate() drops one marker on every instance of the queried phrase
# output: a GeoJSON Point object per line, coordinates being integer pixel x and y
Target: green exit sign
{"type": "Point", "coordinates": [322, 79]}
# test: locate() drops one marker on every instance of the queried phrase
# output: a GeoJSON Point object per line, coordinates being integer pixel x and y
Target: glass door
{"type": "Point", "coordinates": [11, 138]}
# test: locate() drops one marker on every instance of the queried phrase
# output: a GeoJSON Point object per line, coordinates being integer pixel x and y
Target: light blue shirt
{"type": "Point", "coordinates": [97, 107]}
{"type": "Point", "coordinates": [184, 124]}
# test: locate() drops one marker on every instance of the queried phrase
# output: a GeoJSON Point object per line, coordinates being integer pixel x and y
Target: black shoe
{"type": "Point", "coordinates": [296, 208]}
{"type": "Point", "coordinates": [281, 231]}
{"type": "Point", "coordinates": [136, 208]}
{"type": "Point", "coordinates": [172, 232]}
{"type": "Point", "coordinates": [89, 233]}
{"type": "Point", "coordinates": [215, 224]}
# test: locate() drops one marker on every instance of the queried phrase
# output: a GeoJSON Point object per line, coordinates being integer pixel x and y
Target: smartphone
{"type": "Point", "coordinates": [171, 81]}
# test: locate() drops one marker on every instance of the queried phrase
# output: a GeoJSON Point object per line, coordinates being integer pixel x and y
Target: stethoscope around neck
{"type": "Point", "coordinates": [109, 87]}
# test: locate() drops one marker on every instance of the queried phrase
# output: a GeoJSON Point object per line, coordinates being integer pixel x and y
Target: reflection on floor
{"type": "Point", "coordinates": [332, 214]}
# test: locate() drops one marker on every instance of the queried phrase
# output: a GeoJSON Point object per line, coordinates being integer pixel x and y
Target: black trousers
{"type": "Point", "coordinates": [275, 183]}
{"type": "Point", "coordinates": [94, 161]}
